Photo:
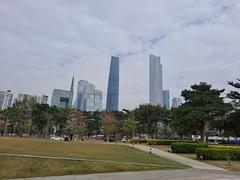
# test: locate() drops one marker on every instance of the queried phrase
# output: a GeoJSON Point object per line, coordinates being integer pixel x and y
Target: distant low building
{"type": "Point", "coordinates": [6, 98]}
{"type": "Point", "coordinates": [176, 102]}
{"type": "Point", "coordinates": [62, 98]}
{"type": "Point", "coordinates": [39, 99]}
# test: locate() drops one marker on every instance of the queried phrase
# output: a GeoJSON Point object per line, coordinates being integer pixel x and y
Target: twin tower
{"type": "Point", "coordinates": [155, 83]}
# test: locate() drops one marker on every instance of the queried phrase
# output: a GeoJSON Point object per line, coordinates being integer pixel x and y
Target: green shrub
{"type": "Point", "coordinates": [182, 147]}
{"type": "Point", "coordinates": [166, 142]}
{"type": "Point", "coordinates": [138, 141]}
{"type": "Point", "coordinates": [218, 153]}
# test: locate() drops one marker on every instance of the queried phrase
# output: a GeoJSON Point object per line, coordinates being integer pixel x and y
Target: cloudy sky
{"type": "Point", "coordinates": [43, 42]}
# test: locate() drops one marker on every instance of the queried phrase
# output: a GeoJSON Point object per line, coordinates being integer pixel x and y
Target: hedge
{"type": "Point", "coordinates": [218, 153]}
{"type": "Point", "coordinates": [140, 141]}
{"type": "Point", "coordinates": [182, 147]}
{"type": "Point", "coordinates": [166, 142]}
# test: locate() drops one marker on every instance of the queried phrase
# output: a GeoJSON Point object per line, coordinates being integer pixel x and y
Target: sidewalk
{"type": "Point", "coordinates": [183, 174]}
{"type": "Point", "coordinates": [190, 162]}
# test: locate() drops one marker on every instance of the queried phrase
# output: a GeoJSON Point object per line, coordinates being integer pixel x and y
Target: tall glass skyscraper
{"type": "Point", "coordinates": [166, 99]}
{"type": "Point", "coordinates": [155, 81]}
{"type": "Point", "coordinates": [113, 86]}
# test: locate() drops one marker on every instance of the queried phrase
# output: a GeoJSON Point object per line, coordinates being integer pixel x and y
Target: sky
{"type": "Point", "coordinates": [43, 43]}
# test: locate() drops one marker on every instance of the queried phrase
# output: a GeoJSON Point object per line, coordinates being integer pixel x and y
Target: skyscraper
{"type": "Point", "coordinates": [113, 86]}
{"type": "Point", "coordinates": [155, 81]}
{"type": "Point", "coordinates": [176, 101]}
{"type": "Point", "coordinates": [5, 99]}
{"type": "Point", "coordinates": [62, 98]}
{"type": "Point", "coordinates": [166, 99]}
{"type": "Point", "coordinates": [88, 98]}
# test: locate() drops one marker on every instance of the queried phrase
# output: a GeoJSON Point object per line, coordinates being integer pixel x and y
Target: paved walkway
{"type": "Point", "coordinates": [186, 174]}
{"type": "Point", "coordinates": [190, 162]}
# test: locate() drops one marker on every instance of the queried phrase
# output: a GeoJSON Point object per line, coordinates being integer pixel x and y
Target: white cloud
{"type": "Point", "coordinates": [44, 42]}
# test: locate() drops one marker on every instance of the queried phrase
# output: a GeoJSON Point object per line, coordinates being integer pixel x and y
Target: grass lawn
{"type": "Point", "coordinates": [15, 167]}
{"type": "Point", "coordinates": [235, 165]}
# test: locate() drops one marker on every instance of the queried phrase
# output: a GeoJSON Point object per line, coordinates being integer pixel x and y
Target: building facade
{"type": "Point", "coordinates": [88, 98]}
{"type": "Point", "coordinates": [176, 101]}
{"type": "Point", "coordinates": [62, 98]}
{"type": "Point", "coordinates": [39, 99]}
{"type": "Point", "coordinates": [113, 86]}
{"type": "Point", "coordinates": [6, 98]}
{"type": "Point", "coordinates": [155, 81]}
{"type": "Point", "coordinates": [166, 99]}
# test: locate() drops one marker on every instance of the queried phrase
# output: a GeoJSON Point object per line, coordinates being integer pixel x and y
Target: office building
{"type": "Point", "coordinates": [88, 98]}
{"type": "Point", "coordinates": [6, 98]}
{"type": "Point", "coordinates": [113, 86]}
{"type": "Point", "coordinates": [39, 99]}
{"type": "Point", "coordinates": [155, 81]}
{"type": "Point", "coordinates": [166, 99]}
{"type": "Point", "coordinates": [63, 98]}
{"type": "Point", "coordinates": [176, 101]}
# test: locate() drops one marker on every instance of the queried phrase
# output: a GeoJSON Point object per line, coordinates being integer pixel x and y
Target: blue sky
{"type": "Point", "coordinates": [42, 43]}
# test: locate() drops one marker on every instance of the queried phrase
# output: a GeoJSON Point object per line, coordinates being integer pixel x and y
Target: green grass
{"type": "Point", "coordinates": [15, 167]}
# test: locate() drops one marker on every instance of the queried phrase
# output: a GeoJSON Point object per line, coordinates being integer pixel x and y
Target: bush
{"type": "Point", "coordinates": [138, 141]}
{"type": "Point", "coordinates": [218, 153]}
{"type": "Point", "coordinates": [166, 142]}
{"type": "Point", "coordinates": [182, 147]}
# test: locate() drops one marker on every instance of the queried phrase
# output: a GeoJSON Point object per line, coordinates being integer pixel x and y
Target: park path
{"type": "Point", "coordinates": [183, 174]}
{"type": "Point", "coordinates": [187, 161]}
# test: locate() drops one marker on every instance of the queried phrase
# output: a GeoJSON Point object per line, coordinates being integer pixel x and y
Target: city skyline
{"type": "Point", "coordinates": [39, 51]}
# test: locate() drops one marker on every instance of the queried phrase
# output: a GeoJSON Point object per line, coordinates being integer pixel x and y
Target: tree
{"type": "Point", "coordinates": [76, 123]}
{"type": "Point", "coordinates": [109, 125]}
{"type": "Point", "coordinates": [93, 123]}
{"type": "Point", "coordinates": [42, 119]}
{"type": "Point", "coordinates": [120, 117]}
{"type": "Point", "coordinates": [231, 122]}
{"type": "Point", "coordinates": [129, 126]}
{"type": "Point", "coordinates": [4, 120]}
{"type": "Point", "coordinates": [20, 116]}
{"type": "Point", "coordinates": [59, 118]}
{"type": "Point", "coordinates": [234, 94]}
{"type": "Point", "coordinates": [203, 104]}
{"type": "Point", "coordinates": [181, 122]}
{"type": "Point", "coordinates": [151, 117]}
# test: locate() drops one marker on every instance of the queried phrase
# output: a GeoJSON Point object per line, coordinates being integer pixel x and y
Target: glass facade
{"type": "Point", "coordinates": [166, 99]}
{"type": "Point", "coordinates": [60, 98]}
{"type": "Point", "coordinates": [6, 98]}
{"type": "Point", "coordinates": [155, 81]}
{"type": "Point", "coordinates": [88, 98]}
{"type": "Point", "coordinates": [113, 86]}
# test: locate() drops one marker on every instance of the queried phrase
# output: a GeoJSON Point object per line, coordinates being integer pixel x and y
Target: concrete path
{"type": "Point", "coordinates": [190, 162]}
{"type": "Point", "coordinates": [186, 174]}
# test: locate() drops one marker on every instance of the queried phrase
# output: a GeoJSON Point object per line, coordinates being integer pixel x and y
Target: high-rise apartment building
{"type": "Point", "coordinates": [62, 98]}
{"type": "Point", "coordinates": [155, 81]}
{"type": "Point", "coordinates": [6, 98]}
{"type": "Point", "coordinates": [166, 99]}
{"type": "Point", "coordinates": [113, 86]}
{"type": "Point", "coordinates": [176, 101]}
{"type": "Point", "coordinates": [88, 98]}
